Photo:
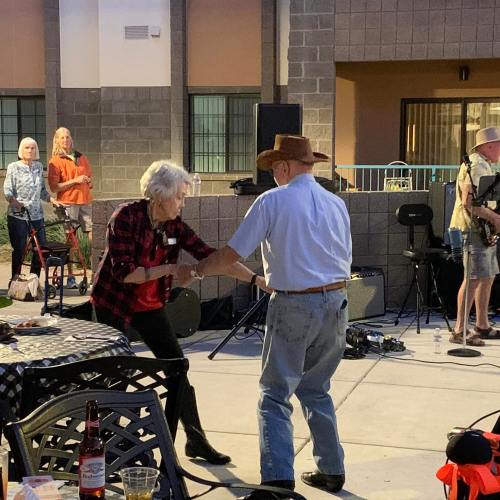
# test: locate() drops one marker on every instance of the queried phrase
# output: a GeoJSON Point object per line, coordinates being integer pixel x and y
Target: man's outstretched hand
{"type": "Point", "coordinates": [261, 283]}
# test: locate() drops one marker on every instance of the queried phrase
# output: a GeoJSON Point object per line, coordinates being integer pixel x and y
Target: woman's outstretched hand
{"type": "Point", "coordinates": [183, 274]}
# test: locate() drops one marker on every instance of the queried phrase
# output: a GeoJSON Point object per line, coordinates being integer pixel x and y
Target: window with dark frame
{"type": "Point", "coordinates": [21, 117]}
{"type": "Point", "coordinates": [221, 133]}
{"type": "Point", "coordinates": [441, 131]}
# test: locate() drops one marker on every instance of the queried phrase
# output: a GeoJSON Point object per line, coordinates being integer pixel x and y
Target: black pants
{"type": "Point", "coordinates": [18, 234]}
{"type": "Point", "coordinates": [154, 329]}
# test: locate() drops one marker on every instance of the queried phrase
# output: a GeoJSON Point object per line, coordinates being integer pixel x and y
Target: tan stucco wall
{"type": "Point", "coordinates": [368, 101]}
{"type": "Point", "coordinates": [223, 42]}
{"type": "Point", "coordinates": [22, 59]}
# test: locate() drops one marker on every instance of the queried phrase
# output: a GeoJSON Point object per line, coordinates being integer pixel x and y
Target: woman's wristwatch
{"type": "Point", "coordinates": [194, 274]}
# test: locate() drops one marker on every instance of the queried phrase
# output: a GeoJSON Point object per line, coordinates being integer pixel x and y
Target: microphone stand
{"type": "Point", "coordinates": [464, 351]}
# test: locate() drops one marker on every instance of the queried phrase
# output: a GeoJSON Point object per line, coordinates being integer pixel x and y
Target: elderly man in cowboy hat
{"type": "Point", "coordinates": [304, 233]}
{"type": "Point", "coordinates": [483, 259]}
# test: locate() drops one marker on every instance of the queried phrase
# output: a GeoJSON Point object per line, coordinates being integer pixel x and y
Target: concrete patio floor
{"type": "Point", "coordinates": [393, 414]}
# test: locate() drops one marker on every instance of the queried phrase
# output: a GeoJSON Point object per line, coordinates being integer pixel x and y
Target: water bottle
{"type": "Point", "coordinates": [196, 184]}
{"type": "Point", "coordinates": [437, 340]}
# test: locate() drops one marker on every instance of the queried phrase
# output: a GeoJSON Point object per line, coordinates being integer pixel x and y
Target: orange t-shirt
{"type": "Point", "coordinates": [63, 168]}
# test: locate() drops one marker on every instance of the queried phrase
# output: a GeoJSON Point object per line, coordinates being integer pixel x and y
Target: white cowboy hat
{"type": "Point", "coordinates": [485, 135]}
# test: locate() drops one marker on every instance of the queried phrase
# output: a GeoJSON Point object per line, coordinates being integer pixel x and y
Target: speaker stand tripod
{"type": "Point", "coordinates": [421, 306]}
{"type": "Point", "coordinates": [257, 311]}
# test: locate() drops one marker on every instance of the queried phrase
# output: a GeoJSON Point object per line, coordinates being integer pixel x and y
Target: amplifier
{"type": "Point", "coordinates": [366, 293]}
{"type": "Point", "coordinates": [442, 202]}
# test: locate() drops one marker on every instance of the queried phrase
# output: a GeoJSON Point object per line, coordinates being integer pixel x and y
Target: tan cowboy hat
{"type": "Point", "coordinates": [289, 147]}
{"type": "Point", "coordinates": [485, 135]}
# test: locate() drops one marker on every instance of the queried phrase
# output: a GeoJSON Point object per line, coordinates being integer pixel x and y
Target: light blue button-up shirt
{"type": "Point", "coordinates": [27, 185]}
{"type": "Point", "coordinates": [304, 232]}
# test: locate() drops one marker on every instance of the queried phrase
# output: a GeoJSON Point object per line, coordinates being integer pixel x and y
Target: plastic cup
{"type": "Point", "coordinates": [139, 482]}
{"type": "Point", "coordinates": [4, 470]}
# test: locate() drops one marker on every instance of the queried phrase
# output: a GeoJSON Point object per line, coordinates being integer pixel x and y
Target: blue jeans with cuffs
{"type": "Point", "coordinates": [304, 343]}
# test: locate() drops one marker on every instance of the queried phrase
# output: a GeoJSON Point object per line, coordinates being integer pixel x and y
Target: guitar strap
{"type": "Point", "coordinates": [468, 164]}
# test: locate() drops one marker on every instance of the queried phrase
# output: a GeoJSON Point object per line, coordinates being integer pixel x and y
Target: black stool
{"type": "Point", "coordinates": [412, 215]}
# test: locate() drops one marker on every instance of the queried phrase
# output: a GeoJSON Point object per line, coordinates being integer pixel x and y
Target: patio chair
{"type": "Point", "coordinates": [132, 373]}
{"type": "Point", "coordinates": [46, 441]}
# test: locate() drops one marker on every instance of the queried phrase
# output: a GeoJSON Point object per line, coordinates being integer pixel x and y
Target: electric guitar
{"type": "Point", "coordinates": [487, 231]}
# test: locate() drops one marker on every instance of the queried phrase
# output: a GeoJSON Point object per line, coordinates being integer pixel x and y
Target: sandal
{"type": "Point", "coordinates": [487, 333]}
{"type": "Point", "coordinates": [472, 339]}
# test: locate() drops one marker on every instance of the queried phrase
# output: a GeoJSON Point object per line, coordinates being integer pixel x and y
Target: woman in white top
{"type": "Point", "coordinates": [24, 187]}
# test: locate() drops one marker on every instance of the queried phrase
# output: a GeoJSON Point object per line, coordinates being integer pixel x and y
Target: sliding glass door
{"type": "Point", "coordinates": [441, 131]}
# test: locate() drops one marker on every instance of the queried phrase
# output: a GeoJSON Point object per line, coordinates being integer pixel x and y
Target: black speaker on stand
{"type": "Point", "coordinates": [269, 120]}
{"type": "Point", "coordinates": [442, 200]}
{"type": "Point", "coordinates": [449, 274]}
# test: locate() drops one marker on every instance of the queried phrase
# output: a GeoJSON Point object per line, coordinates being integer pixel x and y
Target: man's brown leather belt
{"type": "Point", "coordinates": [317, 289]}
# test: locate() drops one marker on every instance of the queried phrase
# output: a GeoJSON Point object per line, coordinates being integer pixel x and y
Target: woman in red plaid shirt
{"type": "Point", "coordinates": [134, 278]}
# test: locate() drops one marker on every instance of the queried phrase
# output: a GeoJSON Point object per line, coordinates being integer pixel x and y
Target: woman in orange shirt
{"type": "Point", "coordinates": [70, 177]}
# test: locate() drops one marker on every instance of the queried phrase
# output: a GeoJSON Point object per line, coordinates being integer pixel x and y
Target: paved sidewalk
{"type": "Point", "coordinates": [393, 414]}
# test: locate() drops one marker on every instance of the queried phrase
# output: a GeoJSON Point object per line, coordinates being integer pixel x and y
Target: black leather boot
{"type": "Point", "coordinates": [197, 444]}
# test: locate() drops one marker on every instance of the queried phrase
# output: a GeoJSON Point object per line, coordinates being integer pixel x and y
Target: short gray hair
{"type": "Point", "coordinates": [25, 141]}
{"type": "Point", "coordinates": [162, 179]}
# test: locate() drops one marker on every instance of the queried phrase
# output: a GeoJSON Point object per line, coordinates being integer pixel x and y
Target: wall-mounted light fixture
{"type": "Point", "coordinates": [463, 73]}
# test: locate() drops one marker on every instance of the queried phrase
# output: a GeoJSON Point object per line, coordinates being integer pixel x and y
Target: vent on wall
{"type": "Point", "coordinates": [136, 32]}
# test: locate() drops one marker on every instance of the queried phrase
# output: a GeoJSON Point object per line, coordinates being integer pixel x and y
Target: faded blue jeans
{"type": "Point", "coordinates": [304, 343]}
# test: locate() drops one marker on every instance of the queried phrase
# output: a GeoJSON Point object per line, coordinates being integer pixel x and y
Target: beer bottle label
{"type": "Point", "coordinates": [92, 473]}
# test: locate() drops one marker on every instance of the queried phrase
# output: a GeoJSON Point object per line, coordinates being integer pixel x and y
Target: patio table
{"type": "Point", "coordinates": [53, 346]}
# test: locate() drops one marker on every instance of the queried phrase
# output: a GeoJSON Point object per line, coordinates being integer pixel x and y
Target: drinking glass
{"type": "Point", "coordinates": [4, 470]}
{"type": "Point", "coordinates": [139, 482]}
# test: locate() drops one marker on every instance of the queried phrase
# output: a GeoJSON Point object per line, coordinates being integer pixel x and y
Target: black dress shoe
{"type": "Point", "coordinates": [328, 482]}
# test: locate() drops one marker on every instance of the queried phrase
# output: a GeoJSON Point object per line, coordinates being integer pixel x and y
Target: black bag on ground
{"type": "Point", "coordinates": [217, 314]}
{"type": "Point", "coordinates": [247, 186]}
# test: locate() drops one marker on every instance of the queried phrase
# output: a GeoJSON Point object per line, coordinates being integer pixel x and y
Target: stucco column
{"type": "Point", "coordinates": [179, 115]}
{"type": "Point", "coordinates": [268, 51]}
{"type": "Point", "coordinates": [52, 68]}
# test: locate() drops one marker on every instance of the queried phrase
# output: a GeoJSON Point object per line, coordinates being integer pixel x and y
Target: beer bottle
{"type": "Point", "coordinates": [91, 470]}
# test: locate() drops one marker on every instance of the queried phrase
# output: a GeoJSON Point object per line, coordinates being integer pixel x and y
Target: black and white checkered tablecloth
{"type": "Point", "coordinates": [53, 347]}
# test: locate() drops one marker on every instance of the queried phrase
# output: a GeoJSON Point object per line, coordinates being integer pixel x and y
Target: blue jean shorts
{"type": "Point", "coordinates": [483, 259]}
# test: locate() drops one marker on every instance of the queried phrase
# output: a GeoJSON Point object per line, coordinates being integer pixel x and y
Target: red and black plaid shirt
{"type": "Point", "coordinates": [131, 242]}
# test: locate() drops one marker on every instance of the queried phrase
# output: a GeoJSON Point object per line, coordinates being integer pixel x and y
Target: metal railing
{"type": "Point", "coordinates": [396, 176]}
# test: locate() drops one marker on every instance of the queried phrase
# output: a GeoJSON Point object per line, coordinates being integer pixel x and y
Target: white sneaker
{"type": "Point", "coordinates": [71, 283]}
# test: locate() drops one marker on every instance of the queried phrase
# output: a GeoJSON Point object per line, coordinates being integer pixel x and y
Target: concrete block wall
{"type": "Point", "coordinates": [121, 129]}
{"type": "Point", "coordinates": [378, 239]}
{"type": "Point", "coordinates": [385, 30]}
{"type": "Point", "coordinates": [311, 73]}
